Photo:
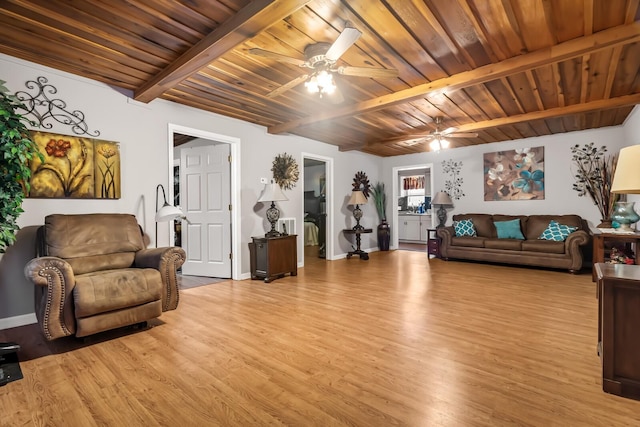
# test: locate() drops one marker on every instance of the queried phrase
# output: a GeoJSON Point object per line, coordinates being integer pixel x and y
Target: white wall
{"type": "Point", "coordinates": [147, 160]}
{"type": "Point", "coordinates": [560, 198]}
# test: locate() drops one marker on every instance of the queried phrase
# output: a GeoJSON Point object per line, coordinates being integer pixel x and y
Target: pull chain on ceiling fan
{"type": "Point", "coordinates": [321, 58]}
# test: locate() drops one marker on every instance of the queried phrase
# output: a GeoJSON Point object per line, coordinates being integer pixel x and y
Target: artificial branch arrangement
{"type": "Point", "coordinates": [380, 200]}
{"type": "Point", "coordinates": [594, 176]}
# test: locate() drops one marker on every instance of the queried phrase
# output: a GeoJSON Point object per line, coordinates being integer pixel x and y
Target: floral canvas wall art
{"type": "Point", "coordinates": [75, 167]}
{"type": "Point", "coordinates": [514, 174]}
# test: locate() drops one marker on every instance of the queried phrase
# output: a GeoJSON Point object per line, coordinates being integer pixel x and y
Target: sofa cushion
{"type": "Point", "coordinates": [509, 229]}
{"type": "Point", "coordinates": [470, 242]}
{"type": "Point", "coordinates": [464, 228]}
{"type": "Point", "coordinates": [481, 222]}
{"type": "Point", "coordinates": [544, 246]}
{"type": "Point", "coordinates": [538, 223]}
{"type": "Point", "coordinates": [557, 232]}
{"type": "Point", "coordinates": [112, 290]}
{"type": "Point", "coordinates": [509, 244]}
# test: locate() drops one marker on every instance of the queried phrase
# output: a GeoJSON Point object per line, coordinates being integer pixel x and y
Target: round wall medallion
{"type": "Point", "coordinates": [285, 171]}
{"type": "Point", "coordinates": [361, 182]}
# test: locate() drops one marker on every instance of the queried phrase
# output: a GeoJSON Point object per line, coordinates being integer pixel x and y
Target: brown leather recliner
{"type": "Point", "coordinates": [93, 273]}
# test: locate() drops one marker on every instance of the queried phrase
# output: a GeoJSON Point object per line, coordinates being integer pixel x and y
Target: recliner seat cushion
{"type": "Point", "coordinates": [105, 291]}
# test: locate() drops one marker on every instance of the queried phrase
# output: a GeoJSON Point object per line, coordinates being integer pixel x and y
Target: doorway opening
{"type": "Point", "coordinates": [412, 214]}
{"type": "Point", "coordinates": [317, 222]}
{"type": "Point", "coordinates": [212, 244]}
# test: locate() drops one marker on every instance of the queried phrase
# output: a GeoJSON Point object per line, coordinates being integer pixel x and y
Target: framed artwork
{"type": "Point", "coordinates": [514, 174]}
{"type": "Point", "coordinates": [75, 167]}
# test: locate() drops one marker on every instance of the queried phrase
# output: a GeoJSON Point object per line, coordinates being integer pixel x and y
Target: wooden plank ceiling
{"type": "Point", "coordinates": [503, 69]}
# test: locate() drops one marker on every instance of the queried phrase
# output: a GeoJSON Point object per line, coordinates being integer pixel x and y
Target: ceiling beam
{"type": "Point", "coordinates": [602, 104]}
{"type": "Point", "coordinates": [620, 35]}
{"type": "Point", "coordinates": [257, 16]}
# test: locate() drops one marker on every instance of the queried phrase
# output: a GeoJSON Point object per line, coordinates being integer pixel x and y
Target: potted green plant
{"type": "Point", "coordinates": [16, 149]}
{"type": "Point", "coordinates": [380, 200]}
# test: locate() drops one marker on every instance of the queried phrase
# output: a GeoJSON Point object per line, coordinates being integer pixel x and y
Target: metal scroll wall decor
{"type": "Point", "coordinates": [45, 108]}
{"type": "Point", "coordinates": [453, 186]}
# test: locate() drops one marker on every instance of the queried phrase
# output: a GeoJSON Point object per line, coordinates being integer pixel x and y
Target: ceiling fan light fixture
{"type": "Point", "coordinates": [439, 144]}
{"type": "Point", "coordinates": [321, 82]}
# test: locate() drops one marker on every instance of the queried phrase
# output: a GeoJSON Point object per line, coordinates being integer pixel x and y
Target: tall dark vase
{"type": "Point", "coordinates": [384, 236]}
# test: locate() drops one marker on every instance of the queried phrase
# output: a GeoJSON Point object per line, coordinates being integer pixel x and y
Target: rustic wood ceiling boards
{"type": "Point", "coordinates": [503, 69]}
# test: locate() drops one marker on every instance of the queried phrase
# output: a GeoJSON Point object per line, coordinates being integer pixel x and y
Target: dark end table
{"type": "Point", "coordinates": [358, 232]}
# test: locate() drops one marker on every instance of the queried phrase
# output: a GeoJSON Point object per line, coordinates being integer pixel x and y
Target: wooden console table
{"type": "Point", "coordinates": [358, 233]}
{"type": "Point", "coordinates": [618, 292]}
{"type": "Point", "coordinates": [273, 257]}
{"type": "Point", "coordinates": [599, 240]}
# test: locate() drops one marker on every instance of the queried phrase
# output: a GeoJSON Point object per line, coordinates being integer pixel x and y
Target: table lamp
{"type": "Point", "coordinates": [626, 180]}
{"type": "Point", "coordinates": [443, 200]}
{"type": "Point", "coordinates": [357, 198]}
{"type": "Point", "coordinates": [272, 193]}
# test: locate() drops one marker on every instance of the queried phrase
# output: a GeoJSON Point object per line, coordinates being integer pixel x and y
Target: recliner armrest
{"type": "Point", "coordinates": [166, 261]}
{"type": "Point", "coordinates": [54, 303]}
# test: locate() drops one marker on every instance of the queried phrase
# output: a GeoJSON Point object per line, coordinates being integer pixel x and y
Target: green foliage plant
{"type": "Point", "coordinates": [16, 150]}
{"type": "Point", "coordinates": [380, 200]}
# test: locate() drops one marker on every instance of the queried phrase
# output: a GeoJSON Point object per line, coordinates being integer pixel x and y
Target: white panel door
{"type": "Point", "coordinates": [205, 192]}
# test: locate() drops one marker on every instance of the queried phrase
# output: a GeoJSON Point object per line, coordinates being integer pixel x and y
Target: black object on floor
{"type": "Point", "coordinates": [9, 364]}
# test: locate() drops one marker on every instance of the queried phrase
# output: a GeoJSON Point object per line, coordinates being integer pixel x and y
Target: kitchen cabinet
{"type": "Point", "coordinates": [413, 228]}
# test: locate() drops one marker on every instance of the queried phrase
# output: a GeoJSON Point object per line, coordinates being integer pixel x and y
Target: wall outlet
{"type": "Point", "coordinates": [264, 180]}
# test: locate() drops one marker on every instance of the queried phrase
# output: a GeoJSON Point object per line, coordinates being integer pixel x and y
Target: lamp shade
{"type": "Point", "coordinates": [442, 198]}
{"type": "Point", "coordinates": [168, 213]}
{"type": "Point", "coordinates": [357, 198]}
{"type": "Point", "coordinates": [627, 177]}
{"type": "Point", "coordinates": [272, 193]}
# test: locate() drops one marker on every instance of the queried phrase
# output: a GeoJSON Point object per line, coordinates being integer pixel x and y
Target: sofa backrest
{"type": "Point", "coordinates": [92, 242]}
{"type": "Point", "coordinates": [532, 226]}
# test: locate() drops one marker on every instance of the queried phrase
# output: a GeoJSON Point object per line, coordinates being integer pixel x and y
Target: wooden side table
{"type": "Point", "coordinates": [599, 240]}
{"type": "Point", "coordinates": [273, 257]}
{"type": "Point", "coordinates": [358, 232]}
{"type": "Point", "coordinates": [433, 243]}
{"type": "Point", "coordinates": [618, 292]}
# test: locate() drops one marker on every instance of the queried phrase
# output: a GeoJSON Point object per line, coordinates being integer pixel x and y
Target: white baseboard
{"type": "Point", "coordinates": [14, 322]}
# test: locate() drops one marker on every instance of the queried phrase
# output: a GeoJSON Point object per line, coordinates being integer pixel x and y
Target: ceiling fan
{"type": "Point", "coordinates": [321, 59]}
{"type": "Point", "coordinates": [437, 137]}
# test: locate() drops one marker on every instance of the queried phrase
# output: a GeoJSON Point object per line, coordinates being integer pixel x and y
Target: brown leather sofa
{"type": "Point", "coordinates": [93, 273]}
{"type": "Point", "coordinates": [532, 251]}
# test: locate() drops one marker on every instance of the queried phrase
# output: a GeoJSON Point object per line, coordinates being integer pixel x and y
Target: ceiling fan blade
{"type": "Point", "coordinates": [293, 83]}
{"type": "Point", "coordinates": [277, 56]}
{"type": "Point", "coordinates": [448, 130]}
{"type": "Point", "coordinates": [344, 41]}
{"type": "Point", "coordinates": [368, 72]}
{"type": "Point", "coordinates": [462, 135]}
{"type": "Point", "coordinates": [410, 137]}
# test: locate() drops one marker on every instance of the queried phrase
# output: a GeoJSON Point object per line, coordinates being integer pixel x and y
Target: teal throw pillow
{"type": "Point", "coordinates": [557, 232]}
{"type": "Point", "coordinates": [464, 228]}
{"type": "Point", "coordinates": [509, 229]}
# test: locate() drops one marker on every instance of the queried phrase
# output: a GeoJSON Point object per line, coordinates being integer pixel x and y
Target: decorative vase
{"type": "Point", "coordinates": [624, 213]}
{"type": "Point", "coordinates": [605, 223]}
{"type": "Point", "coordinates": [384, 235]}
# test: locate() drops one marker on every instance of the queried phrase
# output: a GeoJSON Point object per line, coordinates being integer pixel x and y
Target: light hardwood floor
{"type": "Point", "coordinates": [393, 341]}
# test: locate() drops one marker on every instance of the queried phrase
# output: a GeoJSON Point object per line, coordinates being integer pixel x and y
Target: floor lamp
{"type": "Point", "coordinates": [167, 212]}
